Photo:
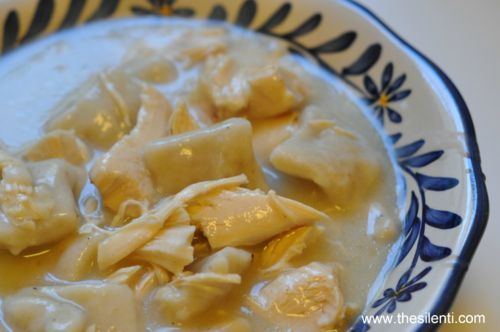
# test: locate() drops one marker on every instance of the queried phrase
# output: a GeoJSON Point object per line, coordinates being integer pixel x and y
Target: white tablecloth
{"type": "Point", "coordinates": [463, 38]}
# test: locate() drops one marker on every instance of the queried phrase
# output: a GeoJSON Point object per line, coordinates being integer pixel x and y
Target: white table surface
{"type": "Point", "coordinates": [463, 38]}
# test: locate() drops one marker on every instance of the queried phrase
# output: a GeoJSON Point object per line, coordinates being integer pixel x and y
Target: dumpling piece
{"type": "Point", "coordinates": [120, 174]}
{"type": "Point", "coordinates": [139, 278]}
{"type": "Point", "coordinates": [333, 158]}
{"type": "Point", "coordinates": [59, 144]}
{"type": "Point", "coordinates": [261, 92]}
{"type": "Point", "coordinates": [37, 202]}
{"type": "Point", "coordinates": [168, 212]}
{"type": "Point", "coordinates": [171, 249]}
{"type": "Point", "coordinates": [190, 295]}
{"type": "Point", "coordinates": [101, 111]}
{"type": "Point", "coordinates": [182, 121]}
{"type": "Point", "coordinates": [78, 258]}
{"type": "Point", "coordinates": [308, 297]}
{"type": "Point", "coordinates": [152, 68]}
{"type": "Point", "coordinates": [227, 260]}
{"type": "Point", "coordinates": [194, 46]}
{"type": "Point", "coordinates": [278, 252]}
{"type": "Point", "coordinates": [206, 154]}
{"type": "Point", "coordinates": [243, 217]}
{"type": "Point", "coordinates": [33, 310]}
{"type": "Point", "coordinates": [72, 308]}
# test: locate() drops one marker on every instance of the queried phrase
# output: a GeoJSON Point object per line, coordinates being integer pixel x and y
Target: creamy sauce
{"type": "Point", "coordinates": [37, 77]}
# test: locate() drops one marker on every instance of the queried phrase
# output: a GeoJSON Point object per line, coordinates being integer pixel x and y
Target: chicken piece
{"type": "Point", "coordinates": [78, 258]}
{"type": "Point", "coordinates": [37, 202]}
{"type": "Point", "coordinates": [277, 253]}
{"type": "Point", "coordinates": [120, 174]}
{"type": "Point", "coordinates": [333, 158]}
{"type": "Point", "coordinates": [171, 249]}
{"type": "Point", "coordinates": [242, 217]}
{"type": "Point", "coordinates": [188, 296]}
{"type": "Point", "coordinates": [206, 154]}
{"type": "Point", "coordinates": [261, 92]}
{"type": "Point", "coordinates": [225, 261]}
{"type": "Point", "coordinates": [140, 231]}
{"type": "Point", "coordinates": [59, 144]}
{"type": "Point", "coordinates": [182, 121]}
{"type": "Point", "coordinates": [101, 111]}
{"type": "Point", "coordinates": [309, 294]}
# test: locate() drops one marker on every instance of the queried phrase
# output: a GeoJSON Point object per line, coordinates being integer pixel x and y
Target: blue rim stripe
{"type": "Point", "coordinates": [480, 199]}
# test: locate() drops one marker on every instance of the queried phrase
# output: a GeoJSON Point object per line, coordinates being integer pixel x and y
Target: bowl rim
{"type": "Point", "coordinates": [443, 300]}
{"type": "Point", "coordinates": [480, 194]}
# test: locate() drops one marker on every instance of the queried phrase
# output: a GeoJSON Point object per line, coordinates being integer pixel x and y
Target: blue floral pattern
{"type": "Point", "coordinates": [381, 95]}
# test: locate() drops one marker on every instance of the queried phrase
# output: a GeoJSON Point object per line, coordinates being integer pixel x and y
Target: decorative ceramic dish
{"type": "Point", "coordinates": [419, 107]}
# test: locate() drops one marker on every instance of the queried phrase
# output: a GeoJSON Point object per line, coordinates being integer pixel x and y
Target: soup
{"type": "Point", "coordinates": [165, 175]}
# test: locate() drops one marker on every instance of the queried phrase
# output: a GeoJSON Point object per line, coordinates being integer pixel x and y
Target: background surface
{"type": "Point", "coordinates": [463, 38]}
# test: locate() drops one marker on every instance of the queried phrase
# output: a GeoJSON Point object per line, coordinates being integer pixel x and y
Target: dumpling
{"type": "Point", "coordinates": [261, 92]}
{"type": "Point", "coordinates": [33, 310]}
{"type": "Point", "coordinates": [190, 295]}
{"type": "Point", "coordinates": [73, 308]}
{"type": "Point", "coordinates": [278, 252]}
{"type": "Point", "coordinates": [142, 280]}
{"type": "Point", "coordinates": [120, 174]}
{"type": "Point", "coordinates": [101, 111]}
{"type": "Point", "coordinates": [59, 144]}
{"type": "Point", "coordinates": [205, 154]}
{"type": "Point", "coordinates": [152, 68]}
{"type": "Point", "coordinates": [308, 297]}
{"type": "Point", "coordinates": [227, 260]}
{"type": "Point", "coordinates": [37, 202]}
{"type": "Point", "coordinates": [243, 217]}
{"type": "Point", "coordinates": [334, 158]}
{"type": "Point", "coordinates": [125, 240]}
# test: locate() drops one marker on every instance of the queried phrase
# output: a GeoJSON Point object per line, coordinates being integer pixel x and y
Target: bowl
{"type": "Point", "coordinates": [422, 112]}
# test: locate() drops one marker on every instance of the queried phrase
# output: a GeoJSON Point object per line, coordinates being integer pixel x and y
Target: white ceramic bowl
{"type": "Point", "coordinates": [421, 109]}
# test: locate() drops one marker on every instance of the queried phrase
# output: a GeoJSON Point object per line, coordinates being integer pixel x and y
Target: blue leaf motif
{"type": "Point", "coordinates": [370, 85]}
{"type": "Point", "coordinates": [431, 252]}
{"type": "Point", "coordinates": [436, 183]}
{"type": "Point", "coordinates": [415, 287]}
{"type": "Point", "coordinates": [337, 44]}
{"type": "Point", "coordinates": [218, 13]}
{"type": "Point", "coordinates": [277, 18]}
{"type": "Point", "coordinates": [411, 215]}
{"type": "Point", "coordinates": [419, 276]}
{"type": "Point", "coordinates": [396, 84]}
{"type": "Point", "coordinates": [394, 138]}
{"type": "Point", "coordinates": [424, 159]}
{"type": "Point", "coordinates": [441, 219]}
{"type": "Point", "coordinates": [394, 116]}
{"type": "Point", "coordinates": [387, 75]}
{"type": "Point", "coordinates": [404, 279]}
{"type": "Point", "coordinates": [400, 95]}
{"type": "Point", "coordinates": [40, 20]}
{"type": "Point", "coordinates": [308, 26]}
{"type": "Point", "coordinates": [10, 31]}
{"type": "Point", "coordinates": [409, 240]}
{"type": "Point", "coordinates": [247, 13]}
{"type": "Point", "coordinates": [369, 57]}
{"type": "Point", "coordinates": [410, 149]}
